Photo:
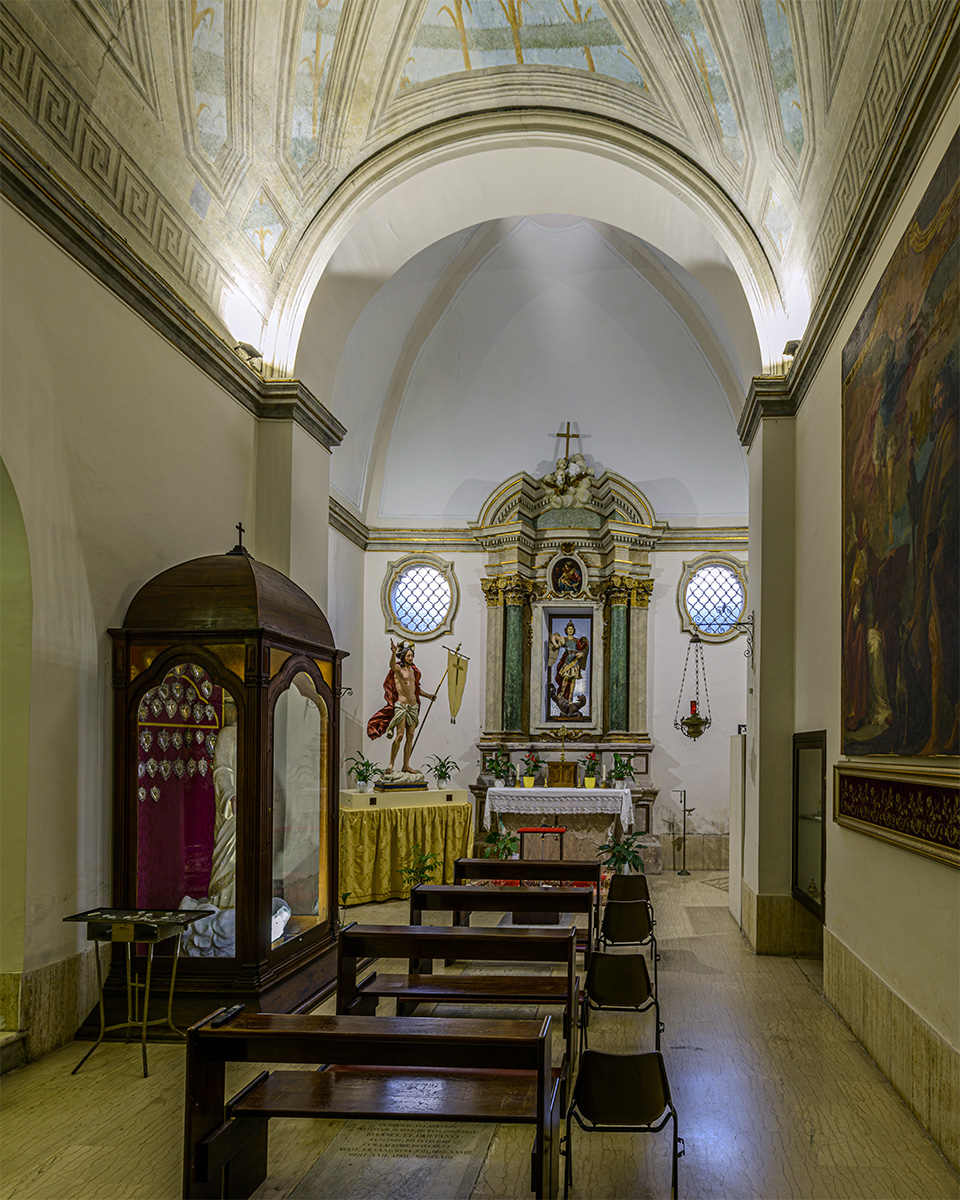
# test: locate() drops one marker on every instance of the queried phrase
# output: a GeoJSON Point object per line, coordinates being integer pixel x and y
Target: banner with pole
{"type": "Point", "coordinates": [456, 679]}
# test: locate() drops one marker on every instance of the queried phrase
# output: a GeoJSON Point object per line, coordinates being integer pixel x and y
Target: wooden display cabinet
{"type": "Point", "coordinates": [226, 700]}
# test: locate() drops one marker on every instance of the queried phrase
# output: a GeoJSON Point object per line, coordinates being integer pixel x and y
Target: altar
{"type": "Point", "coordinates": [548, 803]}
{"type": "Point", "coordinates": [589, 814]}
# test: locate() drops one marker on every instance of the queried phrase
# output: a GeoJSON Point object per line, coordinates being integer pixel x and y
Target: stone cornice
{"type": "Point", "coordinates": [30, 186]}
{"type": "Point", "coordinates": [769, 396]}
{"type": "Point", "coordinates": [447, 540]}
{"type": "Point", "coordinates": [352, 528]}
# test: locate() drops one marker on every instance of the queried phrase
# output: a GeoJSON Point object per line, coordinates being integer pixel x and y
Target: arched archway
{"type": "Point", "coordinates": [16, 628]}
{"type": "Point", "coordinates": [488, 166]}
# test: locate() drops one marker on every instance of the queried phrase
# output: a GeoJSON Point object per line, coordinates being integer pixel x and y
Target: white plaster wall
{"type": "Point", "coordinates": [701, 767]}
{"type": "Point", "coordinates": [345, 611]}
{"type": "Point", "coordinates": [555, 323]}
{"type": "Point", "coordinates": [126, 460]}
{"type": "Point", "coordinates": [457, 741]}
{"type": "Point", "coordinates": [898, 912]}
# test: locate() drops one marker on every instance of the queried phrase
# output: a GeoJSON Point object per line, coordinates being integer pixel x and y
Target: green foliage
{"type": "Point", "coordinates": [419, 868]}
{"type": "Point", "coordinates": [622, 852]}
{"type": "Point", "coordinates": [362, 768]}
{"type": "Point", "coordinates": [500, 842]}
{"type": "Point", "coordinates": [499, 765]}
{"type": "Point", "coordinates": [441, 768]}
{"type": "Point", "coordinates": [622, 768]}
{"type": "Point", "coordinates": [591, 763]}
{"type": "Point", "coordinates": [532, 762]}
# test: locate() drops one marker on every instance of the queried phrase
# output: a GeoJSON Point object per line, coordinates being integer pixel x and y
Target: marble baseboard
{"type": "Point", "coordinates": [10, 1001]}
{"type": "Point", "coordinates": [12, 1051]}
{"type": "Point", "coordinates": [776, 924]}
{"type": "Point", "coordinates": [56, 999]}
{"type": "Point", "coordinates": [705, 851]}
{"type": "Point", "coordinates": [918, 1061]}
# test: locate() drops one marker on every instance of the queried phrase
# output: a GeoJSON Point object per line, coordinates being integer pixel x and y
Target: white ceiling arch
{"type": "Point", "coordinates": [484, 167]}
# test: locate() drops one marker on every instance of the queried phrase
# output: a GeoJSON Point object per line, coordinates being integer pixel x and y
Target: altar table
{"type": "Point", "coordinates": [375, 842]}
{"type": "Point", "coordinates": [554, 802]}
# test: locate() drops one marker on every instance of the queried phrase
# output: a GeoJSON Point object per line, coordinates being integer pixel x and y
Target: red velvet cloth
{"type": "Point", "coordinates": [175, 827]}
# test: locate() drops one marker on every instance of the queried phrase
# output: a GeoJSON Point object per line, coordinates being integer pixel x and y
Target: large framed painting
{"type": "Point", "coordinates": [901, 528]}
{"type": "Point", "coordinates": [569, 665]}
{"type": "Point", "coordinates": [917, 808]}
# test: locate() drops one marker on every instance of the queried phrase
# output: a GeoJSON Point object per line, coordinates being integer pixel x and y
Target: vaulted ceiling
{"type": "Point", "coordinates": [281, 162]}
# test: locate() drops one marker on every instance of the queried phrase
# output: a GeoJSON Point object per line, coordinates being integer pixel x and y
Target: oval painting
{"type": "Point", "coordinates": [567, 577]}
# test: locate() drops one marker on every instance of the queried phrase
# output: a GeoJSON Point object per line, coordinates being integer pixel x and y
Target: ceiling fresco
{"type": "Point", "coordinates": [211, 135]}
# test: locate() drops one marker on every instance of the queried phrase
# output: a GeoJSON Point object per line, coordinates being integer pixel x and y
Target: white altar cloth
{"type": "Point", "coordinates": [542, 801]}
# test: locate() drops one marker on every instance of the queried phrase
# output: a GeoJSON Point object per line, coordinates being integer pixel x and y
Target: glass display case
{"type": "Point", "coordinates": [809, 834]}
{"type": "Point", "coordinates": [226, 685]}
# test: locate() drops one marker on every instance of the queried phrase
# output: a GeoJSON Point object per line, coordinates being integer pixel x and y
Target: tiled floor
{"type": "Point", "coordinates": [776, 1098]}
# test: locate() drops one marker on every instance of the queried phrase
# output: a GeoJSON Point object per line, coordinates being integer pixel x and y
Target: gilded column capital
{"type": "Point", "coordinates": [517, 591]}
{"type": "Point", "coordinates": [492, 591]}
{"type": "Point", "coordinates": [512, 590]}
{"type": "Point", "coordinates": [624, 590]}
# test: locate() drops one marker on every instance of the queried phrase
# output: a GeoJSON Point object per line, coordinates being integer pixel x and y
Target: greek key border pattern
{"type": "Point", "coordinates": [912, 24]}
{"type": "Point", "coordinates": [30, 82]}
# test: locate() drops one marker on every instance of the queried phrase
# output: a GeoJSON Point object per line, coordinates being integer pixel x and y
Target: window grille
{"type": "Point", "coordinates": [712, 597]}
{"type": "Point", "coordinates": [715, 599]}
{"type": "Point", "coordinates": [420, 597]}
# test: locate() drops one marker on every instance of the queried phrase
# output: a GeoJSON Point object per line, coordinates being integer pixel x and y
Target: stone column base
{"type": "Point", "coordinates": [779, 925]}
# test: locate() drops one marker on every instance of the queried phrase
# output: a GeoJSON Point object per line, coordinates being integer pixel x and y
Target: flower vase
{"type": "Point", "coordinates": [499, 782]}
{"type": "Point", "coordinates": [589, 781]}
{"type": "Point", "coordinates": [363, 785]}
{"type": "Point", "coordinates": [529, 780]}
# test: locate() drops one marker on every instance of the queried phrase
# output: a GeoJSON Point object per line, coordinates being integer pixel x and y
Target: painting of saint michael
{"type": "Point", "coordinates": [901, 476]}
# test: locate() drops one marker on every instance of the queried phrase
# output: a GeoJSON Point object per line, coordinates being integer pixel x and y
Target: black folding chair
{"type": "Point", "coordinates": [621, 1093]}
{"type": "Point", "coordinates": [629, 923]}
{"type": "Point", "coordinates": [618, 983]}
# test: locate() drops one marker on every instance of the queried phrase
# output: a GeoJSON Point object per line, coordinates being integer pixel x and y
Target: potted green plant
{"type": "Point", "coordinates": [622, 853]}
{"type": "Point", "coordinates": [591, 768]}
{"type": "Point", "coordinates": [363, 770]}
{"type": "Point", "coordinates": [622, 769]}
{"type": "Point", "coordinates": [501, 842]}
{"type": "Point", "coordinates": [441, 769]}
{"type": "Point", "coordinates": [532, 764]}
{"type": "Point", "coordinates": [500, 766]}
{"type": "Point", "coordinates": [419, 867]}
{"type": "Point", "coordinates": [344, 897]}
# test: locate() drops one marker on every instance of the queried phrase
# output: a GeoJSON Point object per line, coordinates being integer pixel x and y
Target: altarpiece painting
{"type": "Point", "coordinates": [901, 473]}
{"type": "Point", "coordinates": [568, 666]}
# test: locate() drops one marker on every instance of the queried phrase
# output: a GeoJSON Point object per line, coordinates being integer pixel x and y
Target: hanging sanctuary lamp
{"type": "Point", "coordinates": [696, 722]}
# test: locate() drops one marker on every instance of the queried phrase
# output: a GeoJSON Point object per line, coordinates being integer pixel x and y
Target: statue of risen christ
{"type": "Point", "coordinates": [402, 692]}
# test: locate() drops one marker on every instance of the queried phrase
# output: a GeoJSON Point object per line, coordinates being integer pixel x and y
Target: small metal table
{"type": "Point", "coordinates": [133, 926]}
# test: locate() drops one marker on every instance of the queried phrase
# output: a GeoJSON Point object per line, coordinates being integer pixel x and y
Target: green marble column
{"type": "Point", "coordinates": [617, 707]}
{"type": "Point", "coordinates": [512, 666]}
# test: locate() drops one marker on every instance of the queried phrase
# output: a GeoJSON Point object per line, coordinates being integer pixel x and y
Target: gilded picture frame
{"type": "Point", "coordinates": [915, 808]}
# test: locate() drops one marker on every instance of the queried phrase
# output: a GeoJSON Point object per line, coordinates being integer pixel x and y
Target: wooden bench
{"type": "Point", "coordinates": [462, 899]}
{"type": "Point", "coordinates": [569, 870]}
{"type": "Point", "coordinates": [421, 944]}
{"type": "Point", "coordinates": [380, 1068]}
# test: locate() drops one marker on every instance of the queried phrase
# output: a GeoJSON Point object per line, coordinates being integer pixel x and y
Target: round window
{"type": "Point", "coordinates": [714, 598]}
{"type": "Point", "coordinates": [420, 598]}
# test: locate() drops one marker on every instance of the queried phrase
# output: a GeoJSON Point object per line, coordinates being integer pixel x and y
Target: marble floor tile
{"type": "Point", "coordinates": [776, 1099]}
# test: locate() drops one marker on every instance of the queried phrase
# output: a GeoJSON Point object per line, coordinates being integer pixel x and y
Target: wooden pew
{"type": "Point", "coordinates": [462, 899]}
{"type": "Point", "coordinates": [421, 944]}
{"type": "Point", "coordinates": [380, 1068]}
{"type": "Point", "coordinates": [566, 870]}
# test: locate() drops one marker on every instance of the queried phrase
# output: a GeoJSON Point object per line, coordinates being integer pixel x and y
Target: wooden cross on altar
{"type": "Point", "coordinates": [567, 436]}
